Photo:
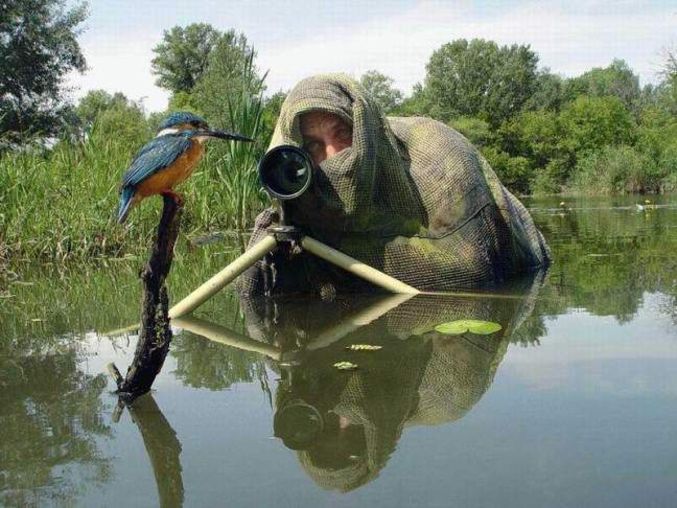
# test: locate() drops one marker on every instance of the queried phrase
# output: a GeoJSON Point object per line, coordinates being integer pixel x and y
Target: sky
{"type": "Point", "coordinates": [294, 39]}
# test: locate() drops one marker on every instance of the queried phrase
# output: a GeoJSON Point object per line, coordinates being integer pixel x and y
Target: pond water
{"type": "Point", "coordinates": [572, 403]}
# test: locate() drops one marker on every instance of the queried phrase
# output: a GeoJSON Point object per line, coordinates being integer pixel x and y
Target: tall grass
{"type": "Point", "coordinates": [60, 203]}
{"type": "Point", "coordinates": [228, 184]}
{"type": "Point", "coordinates": [618, 170]}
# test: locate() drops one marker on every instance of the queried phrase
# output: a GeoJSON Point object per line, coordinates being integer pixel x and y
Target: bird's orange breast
{"type": "Point", "coordinates": [175, 173]}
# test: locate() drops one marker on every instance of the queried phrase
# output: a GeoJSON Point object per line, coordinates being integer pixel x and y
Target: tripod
{"type": "Point", "coordinates": [277, 235]}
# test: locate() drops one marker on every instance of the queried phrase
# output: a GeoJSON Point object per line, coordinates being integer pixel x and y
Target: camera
{"type": "Point", "coordinates": [286, 172]}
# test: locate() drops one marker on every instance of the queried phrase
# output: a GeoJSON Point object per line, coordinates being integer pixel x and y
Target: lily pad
{"type": "Point", "coordinates": [468, 325]}
{"type": "Point", "coordinates": [363, 347]}
{"type": "Point", "coordinates": [345, 366]}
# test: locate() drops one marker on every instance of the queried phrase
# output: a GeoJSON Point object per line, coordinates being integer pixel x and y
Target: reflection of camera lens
{"type": "Point", "coordinates": [298, 424]}
{"type": "Point", "coordinates": [286, 171]}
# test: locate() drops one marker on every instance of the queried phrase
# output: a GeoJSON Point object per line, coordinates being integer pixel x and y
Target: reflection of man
{"type": "Point", "coordinates": [345, 425]}
{"type": "Point", "coordinates": [409, 196]}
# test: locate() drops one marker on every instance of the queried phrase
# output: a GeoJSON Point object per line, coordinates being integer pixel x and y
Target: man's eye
{"type": "Point", "coordinates": [312, 146]}
{"type": "Point", "coordinates": [345, 134]}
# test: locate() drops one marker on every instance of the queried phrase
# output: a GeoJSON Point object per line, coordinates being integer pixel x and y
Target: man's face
{"type": "Point", "coordinates": [324, 134]}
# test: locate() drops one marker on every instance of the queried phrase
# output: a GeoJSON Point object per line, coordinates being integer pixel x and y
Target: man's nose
{"type": "Point", "coordinates": [332, 149]}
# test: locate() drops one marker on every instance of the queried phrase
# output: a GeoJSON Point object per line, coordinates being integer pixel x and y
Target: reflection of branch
{"type": "Point", "coordinates": [222, 335]}
{"type": "Point", "coordinates": [163, 448]}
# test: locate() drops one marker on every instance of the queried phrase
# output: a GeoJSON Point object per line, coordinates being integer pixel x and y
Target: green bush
{"type": "Point", "coordinates": [616, 170]}
{"type": "Point", "coordinates": [549, 180]}
{"type": "Point", "coordinates": [477, 131]}
{"type": "Point", "coordinates": [590, 123]}
{"type": "Point", "coordinates": [657, 129]}
{"type": "Point", "coordinates": [536, 135]}
{"type": "Point", "coordinates": [667, 167]}
{"type": "Point", "coordinates": [514, 172]}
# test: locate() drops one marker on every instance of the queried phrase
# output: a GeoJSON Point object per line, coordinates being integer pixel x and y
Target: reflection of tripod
{"type": "Point", "coordinates": [286, 234]}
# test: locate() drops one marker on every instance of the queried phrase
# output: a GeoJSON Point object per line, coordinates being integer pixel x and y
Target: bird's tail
{"type": "Point", "coordinates": [126, 201]}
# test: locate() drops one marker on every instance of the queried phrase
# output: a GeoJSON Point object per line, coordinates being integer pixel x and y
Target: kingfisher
{"type": "Point", "coordinates": [168, 159]}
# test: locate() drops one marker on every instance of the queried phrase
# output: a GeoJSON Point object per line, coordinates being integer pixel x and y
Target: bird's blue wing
{"type": "Point", "coordinates": [155, 155]}
{"type": "Point", "coordinates": [153, 143]}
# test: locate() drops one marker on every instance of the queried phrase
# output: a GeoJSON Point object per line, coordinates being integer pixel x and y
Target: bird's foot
{"type": "Point", "coordinates": [177, 198]}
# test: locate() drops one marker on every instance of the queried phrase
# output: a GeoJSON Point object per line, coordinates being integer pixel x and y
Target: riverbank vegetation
{"type": "Point", "coordinates": [60, 163]}
{"type": "Point", "coordinates": [597, 133]}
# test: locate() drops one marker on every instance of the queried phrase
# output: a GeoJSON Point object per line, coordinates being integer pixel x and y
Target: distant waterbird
{"type": "Point", "coordinates": [168, 159]}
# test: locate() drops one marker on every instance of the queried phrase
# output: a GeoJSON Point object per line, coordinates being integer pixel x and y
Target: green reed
{"type": "Point", "coordinates": [60, 203]}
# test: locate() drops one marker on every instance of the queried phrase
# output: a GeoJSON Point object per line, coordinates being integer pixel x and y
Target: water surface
{"type": "Point", "coordinates": [571, 403]}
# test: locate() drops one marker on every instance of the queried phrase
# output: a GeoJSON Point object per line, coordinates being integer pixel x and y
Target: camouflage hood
{"type": "Point", "coordinates": [411, 197]}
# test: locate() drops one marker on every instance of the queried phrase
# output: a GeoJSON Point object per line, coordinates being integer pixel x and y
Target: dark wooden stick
{"type": "Point", "coordinates": [155, 333]}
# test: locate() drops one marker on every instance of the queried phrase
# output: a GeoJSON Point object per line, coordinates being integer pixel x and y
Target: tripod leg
{"type": "Point", "coordinates": [223, 278]}
{"type": "Point", "coordinates": [356, 267]}
{"type": "Point", "coordinates": [222, 335]}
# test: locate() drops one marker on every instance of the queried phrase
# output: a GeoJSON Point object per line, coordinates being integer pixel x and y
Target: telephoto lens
{"type": "Point", "coordinates": [286, 171]}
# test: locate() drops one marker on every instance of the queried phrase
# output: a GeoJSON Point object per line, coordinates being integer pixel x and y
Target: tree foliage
{"type": "Point", "coordinates": [667, 92]}
{"type": "Point", "coordinates": [114, 117]}
{"type": "Point", "coordinates": [589, 123]}
{"type": "Point", "coordinates": [381, 88]}
{"type": "Point", "coordinates": [548, 93]}
{"type": "Point", "coordinates": [183, 56]}
{"type": "Point", "coordinates": [417, 104]}
{"type": "Point", "coordinates": [231, 70]}
{"type": "Point", "coordinates": [479, 78]}
{"type": "Point", "coordinates": [271, 111]}
{"type": "Point", "coordinates": [616, 80]}
{"type": "Point", "coordinates": [38, 47]}
{"type": "Point", "coordinates": [96, 102]}
{"type": "Point", "coordinates": [477, 131]}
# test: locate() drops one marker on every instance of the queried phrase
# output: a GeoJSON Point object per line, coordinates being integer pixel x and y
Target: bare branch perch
{"type": "Point", "coordinates": [155, 333]}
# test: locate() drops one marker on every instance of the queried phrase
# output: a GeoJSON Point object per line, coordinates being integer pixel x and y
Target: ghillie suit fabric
{"type": "Point", "coordinates": [418, 377]}
{"type": "Point", "coordinates": [410, 197]}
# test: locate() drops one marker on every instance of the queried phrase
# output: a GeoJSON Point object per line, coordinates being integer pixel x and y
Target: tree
{"type": "Point", "coordinates": [183, 56]}
{"type": "Point", "coordinates": [381, 88]}
{"type": "Point", "coordinates": [96, 102]}
{"type": "Point", "coordinates": [479, 78]}
{"type": "Point", "coordinates": [114, 117]}
{"type": "Point", "coordinates": [271, 112]}
{"type": "Point", "coordinates": [590, 123]}
{"type": "Point", "coordinates": [536, 135]}
{"type": "Point", "coordinates": [548, 94]}
{"type": "Point", "coordinates": [477, 131]}
{"type": "Point", "coordinates": [514, 172]}
{"type": "Point", "coordinates": [417, 104]}
{"type": "Point", "coordinates": [230, 72]}
{"type": "Point", "coordinates": [38, 47]}
{"type": "Point", "coordinates": [616, 80]}
{"type": "Point", "coordinates": [204, 68]}
{"type": "Point", "coordinates": [667, 92]}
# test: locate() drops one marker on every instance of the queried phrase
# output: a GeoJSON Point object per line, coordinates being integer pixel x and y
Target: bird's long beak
{"type": "Point", "coordinates": [226, 135]}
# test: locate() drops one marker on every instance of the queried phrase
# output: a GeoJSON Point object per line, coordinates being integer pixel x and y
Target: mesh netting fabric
{"type": "Point", "coordinates": [411, 197]}
{"type": "Point", "coordinates": [419, 377]}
